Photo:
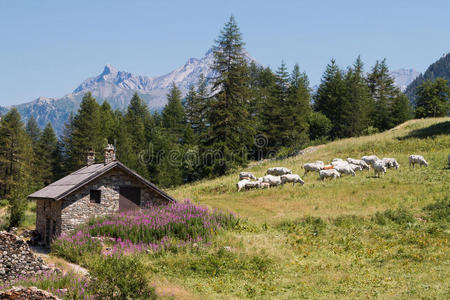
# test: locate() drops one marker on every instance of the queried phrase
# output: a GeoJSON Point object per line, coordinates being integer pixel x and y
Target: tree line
{"type": "Point", "coordinates": [244, 112]}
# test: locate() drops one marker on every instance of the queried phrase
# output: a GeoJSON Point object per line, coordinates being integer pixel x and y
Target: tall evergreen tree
{"type": "Point", "coordinates": [173, 116]}
{"type": "Point", "coordinates": [230, 129]}
{"type": "Point", "coordinates": [47, 155]}
{"type": "Point", "coordinates": [432, 99]}
{"type": "Point", "coordinates": [330, 99]}
{"type": "Point", "coordinates": [196, 107]}
{"type": "Point", "coordinates": [16, 153]}
{"type": "Point", "coordinates": [360, 102]}
{"type": "Point", "coordinates": [33, 130]}
{"type": "Point", "coordinates": [298, 110]}
{"type": "Point", "coordinates": [86, 132]}
{"type": "Point", "coordinates": [388, 98]}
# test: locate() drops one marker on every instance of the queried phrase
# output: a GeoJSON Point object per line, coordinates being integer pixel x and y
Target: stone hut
{"type": "Point", "coordinates": [94, 190]}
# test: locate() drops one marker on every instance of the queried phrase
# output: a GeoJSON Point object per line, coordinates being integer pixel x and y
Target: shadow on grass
{"type": "Point", "coordinates": [430, 131]}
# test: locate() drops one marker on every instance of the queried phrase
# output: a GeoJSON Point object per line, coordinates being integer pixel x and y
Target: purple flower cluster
{"type": "Point", "coordinates": [154, 229]}
{"type": "Point", "coordinates": [66, 286]}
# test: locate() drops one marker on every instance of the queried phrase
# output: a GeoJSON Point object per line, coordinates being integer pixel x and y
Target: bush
{"type": "Point", "coordinates": [119, 277]}
{"type": "Point", "coordinates": [3, 203]}
{"type": "Point", "coordinates": [399, 216]}
{"type": "Point", "coordinates": [439, 211]}
{"type": "Point", "coordinates": [319, 126]}
{"type": "Point", "coordinates": [74, 247]}
{"type": "Point", "coordinates": [17, 206]}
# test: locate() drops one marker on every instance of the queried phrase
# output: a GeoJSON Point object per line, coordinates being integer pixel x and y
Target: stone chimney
{"type": "Point", "coordinates": [90, 160]}
{"type": "Point", "coordinates": [110, 154]}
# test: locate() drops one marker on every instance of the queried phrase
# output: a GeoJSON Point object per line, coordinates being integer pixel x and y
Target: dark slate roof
{"type": "Point", "coordinates": [72, 182]}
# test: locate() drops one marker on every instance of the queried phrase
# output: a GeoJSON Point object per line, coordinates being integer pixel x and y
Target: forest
{"type": "Point", "coordinates": [245, 112]}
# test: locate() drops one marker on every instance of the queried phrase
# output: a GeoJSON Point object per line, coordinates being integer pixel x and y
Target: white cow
{"type": "Point", "coordinates": [241, 184]}
{"type": "Point", "coordinates": [391, 163]}
{"type": "Point", "coordinates": [370, 159]}
{"type": "Point", "coordinates": [278, 171]}
{"type": "Point", "coordinates": [312, 167]}
{"type": "Point", "coordinates": [379, 167]}
{"type": "Point", "coordinates": [358, 162]}
{"type": "Point", "coordinates": [272, 180]}
{"type": "Point", "coordinates": [329, 173]}
{"type": "Point", "coordinates": [291, 178]}
{"type": "Point", "coordinates": [417, 159]}
{"type": "Point", "coordinates": [346, 169]}
{"type": "Point", "coordinates": [246, 175]}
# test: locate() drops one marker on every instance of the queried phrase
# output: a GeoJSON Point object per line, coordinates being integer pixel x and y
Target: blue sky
{"type": "Point", "coordinates": [48, 47]}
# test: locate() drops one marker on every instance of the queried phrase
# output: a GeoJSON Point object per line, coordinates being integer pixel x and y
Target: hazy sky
{"type": "Point", "coordinates": [48, 47]}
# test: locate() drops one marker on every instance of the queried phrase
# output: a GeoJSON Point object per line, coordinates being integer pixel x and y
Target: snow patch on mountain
{"type": "Point", "coordinates": [403, 77]}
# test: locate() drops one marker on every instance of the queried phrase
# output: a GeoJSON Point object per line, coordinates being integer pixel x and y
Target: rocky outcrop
{"type": "Point", "coordinates": [17, 260]}
{"type": "Point", "coordinates": [22, 293]}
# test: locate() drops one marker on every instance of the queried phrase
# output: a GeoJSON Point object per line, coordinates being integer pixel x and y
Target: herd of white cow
{"type": "Point", "coordinates": [281, 175]}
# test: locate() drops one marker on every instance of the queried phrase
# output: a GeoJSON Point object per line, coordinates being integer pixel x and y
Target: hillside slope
{"type": "Point", "coordinates": [360, 195]}
{"type": "Point", "coordinates": [356, 237]}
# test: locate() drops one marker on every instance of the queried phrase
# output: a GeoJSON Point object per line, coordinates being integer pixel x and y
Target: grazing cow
{"type": "Point", "coordinates": [291, 178]}
{"type": "Point", "coordinates": [278, 171]}
{"type": "Point", "coordinates": [417, 159]}
{"type": "Point", "coordinates": [331, 173]}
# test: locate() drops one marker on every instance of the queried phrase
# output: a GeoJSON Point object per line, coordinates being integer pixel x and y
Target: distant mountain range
{"type": "Point", "coordinates": [117, 87]}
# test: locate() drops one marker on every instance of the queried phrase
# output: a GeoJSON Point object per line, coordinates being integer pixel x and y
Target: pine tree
{"type": "Point", "coordinates": [33, 130]}
{"type": "Point", "coordinates": [47, 154]}
{"type": "Point", "coordinates": [173, 116]}
{"type": "Point", "coordinates": [108, 122]}
{"type": "Point", "coordinates": [432, 99]}
{"type": "Point", "coordinates": [86, 132]}
{"type": "Point", "coordinates": [196, 107]}
{"type": "Point", "coordinates": [230, 130]}
{"type": "Point", "coordinates": [388, 98]}
{"type": "Point", "coordinates": [360, 102]}
{"type": "Point", "coordinates": [16, 153]}
{"type": "Point", "coordinates": [330, 99]}
{"type": "Point", "coordinates": [298, 110]}
{"type": "Point", "coordinates": [138, 122]}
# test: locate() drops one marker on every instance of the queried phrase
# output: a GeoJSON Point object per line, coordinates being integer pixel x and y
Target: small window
{"type": "Point", "coordinates": [95, 196]}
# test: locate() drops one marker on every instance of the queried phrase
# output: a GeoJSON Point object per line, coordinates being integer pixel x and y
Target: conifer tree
{"type": "Point", "coordinates": [47, 155]}
{"type": "Point", "coordinates": [137, 120]}
{"type": "Point", "coordinates": [33, 130]}
{"type": "Point", "coordinates": [360, 102]}
{"type": "Point", "coordinates": [388, 98]}
{"type": "Point", "coordinates": [329, 99]}
{"type": "Point", "coordinates": [86, 132]}
{"type": "Point", "coordinates": [432, 99]}
{"type": "Point", "coordinates": [16, 153]}
{"type": "Point", "coordinates": [298, 110]}
{"type": "Point", "coordinates": [173, 116]}
{"type": "Point", "coordinates": [229, 130]}
{"type": "Point", "coordinates": [196, 107]}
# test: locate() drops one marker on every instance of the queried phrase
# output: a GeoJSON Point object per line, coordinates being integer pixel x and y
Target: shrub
{"type": "Point", "coordinates": [74, 247]}
{"type": "Point", "coordinates": [398, 216]}
{"type": "Point", "coordinates": [65, 286]}
{"type": "Point", "coordinates": [119, 277]}
{"type": "Point", "coordinates": [439, 211]}
{"type": "Point", "coordinates": [3, 203]}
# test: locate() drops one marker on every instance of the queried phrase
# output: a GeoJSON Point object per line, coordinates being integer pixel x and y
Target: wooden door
{"type": "Point", "coordinates": [129, 197]}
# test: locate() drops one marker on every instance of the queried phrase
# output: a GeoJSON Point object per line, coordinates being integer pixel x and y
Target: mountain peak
{"type": "Point", "coordinates": [110, 69]}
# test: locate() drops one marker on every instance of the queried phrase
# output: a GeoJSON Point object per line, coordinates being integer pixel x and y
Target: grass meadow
{"type": "Point", "coordinates": [355, 237]}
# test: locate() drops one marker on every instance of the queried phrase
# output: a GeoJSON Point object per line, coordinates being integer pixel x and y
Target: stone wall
{"type": "Point", "coordinates": [22, 293]}
{"type": "Point", "coordinates": [17, 260]}
{"type": "Point", "coordinates": [48, 211]}
{"type": "Point", "coordinates": [76, 208]}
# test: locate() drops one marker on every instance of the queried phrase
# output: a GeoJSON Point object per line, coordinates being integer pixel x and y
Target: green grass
{"type": "Point", "coordinates": [356, 237]}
